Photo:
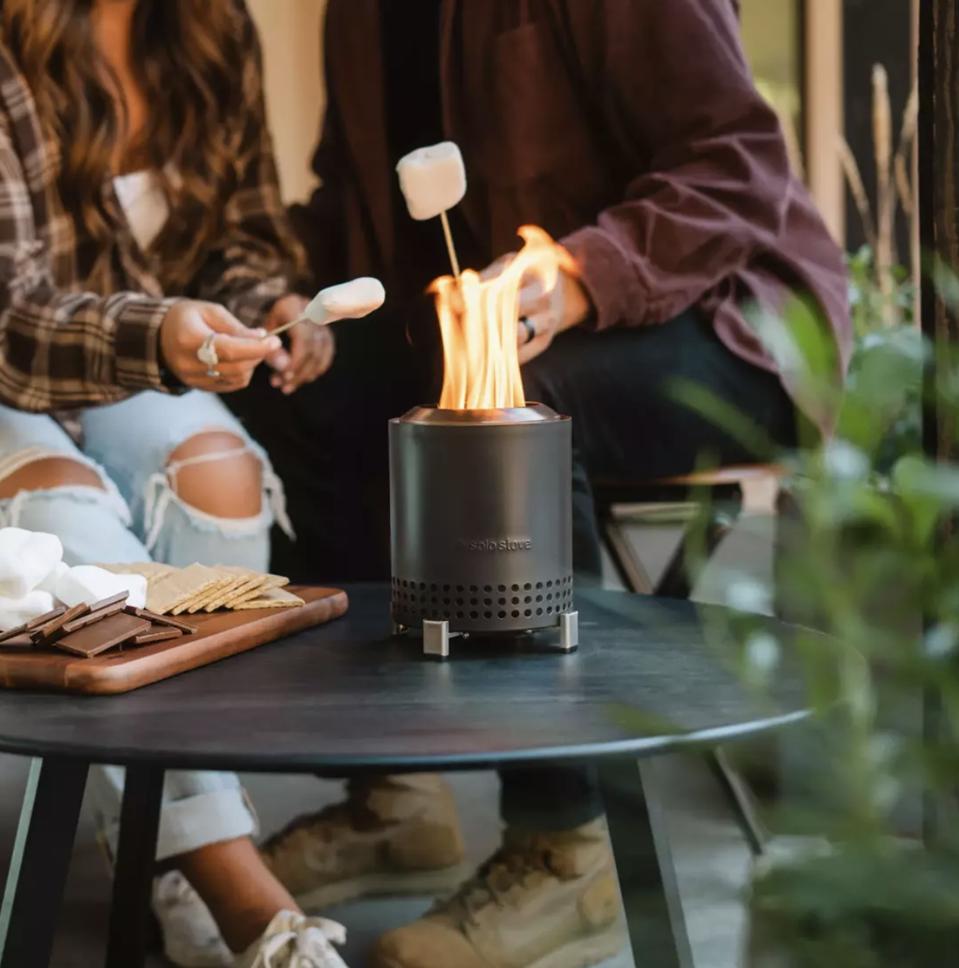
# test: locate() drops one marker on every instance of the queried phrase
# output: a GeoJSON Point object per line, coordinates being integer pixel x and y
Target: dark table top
{"type": "Point", "coordinates": [348, 696]}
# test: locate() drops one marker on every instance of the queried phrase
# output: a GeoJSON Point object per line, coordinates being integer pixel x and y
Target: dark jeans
{"type": "Point", "coordinates": [328, 444]}
{"type": "Point", "coordinates": [628, 427]}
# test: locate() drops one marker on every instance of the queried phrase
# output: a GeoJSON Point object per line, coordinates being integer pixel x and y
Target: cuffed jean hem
{"type": "Point", "coordinates": [198, 809]}
{"type": "Point", "coordinates": [210, 818]}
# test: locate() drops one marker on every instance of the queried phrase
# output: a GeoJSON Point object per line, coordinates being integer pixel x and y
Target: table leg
{"type": "Point", "coordinates": [737, 795]}
{"type": "Point", "coordinates": [644, 864]}
{"type": "Point", "coordinates": [40, 861]}
{"type": "Point", "coordinates": [135, 865]}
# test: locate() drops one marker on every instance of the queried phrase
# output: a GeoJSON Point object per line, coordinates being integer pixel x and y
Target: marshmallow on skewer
{"type": "Point", "coordinates": [348, 300]}
{"type": "Point", "coordinates": [432, 179]}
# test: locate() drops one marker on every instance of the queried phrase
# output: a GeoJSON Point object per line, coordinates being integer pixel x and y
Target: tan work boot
{"type": "Point", "coordinates": [392, 835]}
{"type": "Point", "coordinates": [541, 901]}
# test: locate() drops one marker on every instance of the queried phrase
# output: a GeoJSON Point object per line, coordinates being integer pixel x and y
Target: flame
{"type": "Point", "coordinates": [478, 321]}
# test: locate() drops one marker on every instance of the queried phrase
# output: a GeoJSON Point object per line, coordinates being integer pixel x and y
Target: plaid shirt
{"type": "Point", "coordinates": [66, 341]}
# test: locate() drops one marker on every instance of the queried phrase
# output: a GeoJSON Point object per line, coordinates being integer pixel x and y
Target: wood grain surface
{"type": "Point", "coordinates": [219, 635]}
{"type": "Point", "coordinates": [650, 675]}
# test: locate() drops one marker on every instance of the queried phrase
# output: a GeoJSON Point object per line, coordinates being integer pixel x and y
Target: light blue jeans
{"type": "Point", "coordinates": [135, 517]}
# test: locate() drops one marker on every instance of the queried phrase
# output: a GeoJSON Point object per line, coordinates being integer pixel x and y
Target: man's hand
{"type": "Point", "coordinates": [185, 327]}
{"type": "Point", "coordinates": [311, 347]}
{"type": "Point", "coordinates": [546, 314]}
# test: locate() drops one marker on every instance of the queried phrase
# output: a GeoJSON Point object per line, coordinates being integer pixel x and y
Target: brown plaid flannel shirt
{"type": "Point", "coordinates": [70, 342]}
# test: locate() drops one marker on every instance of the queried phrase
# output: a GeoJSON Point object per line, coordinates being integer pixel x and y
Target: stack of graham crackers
{"type": "Point", "coordinates": [205, 588]}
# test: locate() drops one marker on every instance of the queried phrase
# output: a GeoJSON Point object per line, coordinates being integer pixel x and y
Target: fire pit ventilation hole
{"type": "Point", "coordinates": [414, 601]}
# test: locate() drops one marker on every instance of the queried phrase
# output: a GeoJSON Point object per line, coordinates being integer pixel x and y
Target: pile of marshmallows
{"type": "Point", "coordinates": [34, 579]}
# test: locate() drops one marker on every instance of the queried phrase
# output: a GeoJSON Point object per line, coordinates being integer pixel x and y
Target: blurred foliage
{"type": "Point", "coordinates": [872, 306]}
{"type": "Point", "coordinates": [885, 373]}
{"type": "Point", "coordinates": [867, 555]}
{"type": "Point", "coordinates": [865, 558]}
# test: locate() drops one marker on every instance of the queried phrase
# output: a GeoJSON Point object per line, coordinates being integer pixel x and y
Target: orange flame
{"type": "Point", "coordinates": [478, 321]}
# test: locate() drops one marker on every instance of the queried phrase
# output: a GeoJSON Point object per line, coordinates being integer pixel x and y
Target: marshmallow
{"type": "Point", "coordinates": [49, 584]}
{"type": "Point", "coordinates": [88, 584]}
{"type": "Point", "coordinates": [26, 558]}
{"type": "Point", "coordinates": [348, 300]}
{"type": "Point", "coordinates": [16, 611]}
{"type": "Point", "coordinates": [432, 179]}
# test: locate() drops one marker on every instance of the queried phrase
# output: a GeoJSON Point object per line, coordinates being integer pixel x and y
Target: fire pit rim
{"type": "Point", "coordinates": [501, 416]}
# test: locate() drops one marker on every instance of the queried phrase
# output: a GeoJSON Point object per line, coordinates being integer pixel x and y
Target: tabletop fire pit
{"type": "Point", "coordinates": [481, 504]}
{"type": "Point", "coordinates": [481, 523]}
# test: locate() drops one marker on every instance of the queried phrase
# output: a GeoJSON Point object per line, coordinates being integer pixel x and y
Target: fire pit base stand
{"type": "Point", "coordinates": [437, 635]}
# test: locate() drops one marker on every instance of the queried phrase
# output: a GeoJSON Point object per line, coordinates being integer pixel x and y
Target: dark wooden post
{"type": "Point", "coordinates": [939, 229]}
{"type": "Point", "coordinates": [939, 191]}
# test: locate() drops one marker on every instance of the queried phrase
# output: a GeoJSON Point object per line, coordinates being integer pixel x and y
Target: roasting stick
{"type": "Point", "coordinates": [349, 300]}
{"type": "Point", "coordinates": [433, 180]}
{"type": "Point", "coordinates": [448, 235]}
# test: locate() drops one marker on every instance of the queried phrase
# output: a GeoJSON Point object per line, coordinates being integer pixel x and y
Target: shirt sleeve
{"type": "Point", "coordinates": [257, 259]}
{"type": "Point", "coordinates": [62, 349]}
{"type": "Point", "coordinates": [714, 188]}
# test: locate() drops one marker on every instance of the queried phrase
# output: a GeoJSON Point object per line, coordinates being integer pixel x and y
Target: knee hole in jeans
{"type": "Point", "coordinates": [46, 473]}
{"type": "Point", "coordinates": [230, 486]}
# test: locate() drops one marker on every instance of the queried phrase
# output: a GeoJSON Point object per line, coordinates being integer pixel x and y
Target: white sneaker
{"type": "Point", "coordinates": [191, 938]}
{"type": "Point", "coordinates": [296, 941]}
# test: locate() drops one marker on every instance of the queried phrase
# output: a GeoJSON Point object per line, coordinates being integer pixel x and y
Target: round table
{"type": "Point", "coordinates": [350, 697]}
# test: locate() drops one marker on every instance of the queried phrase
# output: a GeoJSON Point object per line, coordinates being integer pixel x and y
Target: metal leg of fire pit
{"type": "Point", "coordinates": [569, 631]}
{"type": "Point", "coordinates": [436, 638]}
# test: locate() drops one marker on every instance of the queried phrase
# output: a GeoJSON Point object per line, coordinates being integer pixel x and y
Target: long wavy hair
{"type": "Point", "coordinates": [189, 55]}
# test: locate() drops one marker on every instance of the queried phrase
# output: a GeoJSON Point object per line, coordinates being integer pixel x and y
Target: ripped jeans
{"type": "Point", "coordinates": [137, 516]}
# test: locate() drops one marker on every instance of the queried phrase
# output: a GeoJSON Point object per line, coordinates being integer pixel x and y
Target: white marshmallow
{"type": "Point", "coordinates": [26, 558]}
{"type": "Point", "coordinates": [49, 584]}
{"type": "Point", "coordinates": [88, 584]}
{"type": "Point", "coordinates": [432, 179]}
{"type": "Point", "coordinates": [16, 611]}
{"type": "Point", "coordinates": [348, 300]}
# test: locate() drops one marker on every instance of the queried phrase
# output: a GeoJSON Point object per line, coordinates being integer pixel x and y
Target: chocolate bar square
{"type": "Point", "coordinates": [101, 636]}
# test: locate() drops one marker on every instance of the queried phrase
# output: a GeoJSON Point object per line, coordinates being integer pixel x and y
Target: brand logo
{"type": "Point", "coordinates": [495, 544]}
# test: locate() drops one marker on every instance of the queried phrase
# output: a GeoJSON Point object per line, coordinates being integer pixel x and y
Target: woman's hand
{"type": "Point", "coordinates": [547, 314]}
{"type": "Point", "coordinates": [239, 349]}
{"type": "Point", "coordinates": [311, 351]}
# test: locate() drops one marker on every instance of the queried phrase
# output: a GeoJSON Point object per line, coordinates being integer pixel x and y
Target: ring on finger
{"type": "Point", "coordinates": [530, 328]}
{"type": "Point", "coordinates": [207, 354]}
{"type": "Point", "coordinates": [213, 373]}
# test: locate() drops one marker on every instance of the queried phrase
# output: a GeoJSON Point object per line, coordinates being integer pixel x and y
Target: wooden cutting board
{"type": "Point", "coordinates": [218, 635]}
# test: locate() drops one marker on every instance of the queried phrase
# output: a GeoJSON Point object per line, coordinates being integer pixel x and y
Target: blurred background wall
{"type": "Point", "coordinates": [290, 32]}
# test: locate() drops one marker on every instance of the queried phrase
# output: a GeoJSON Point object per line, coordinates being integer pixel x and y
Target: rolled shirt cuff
{"type": "Point", "coordinates": [136, 340]}
{"type": "Point", "coordinates": [608, 277]}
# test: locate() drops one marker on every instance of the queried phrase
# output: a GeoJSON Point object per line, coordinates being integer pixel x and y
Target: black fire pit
{"type": "Point", "coordinates": [481, 523]}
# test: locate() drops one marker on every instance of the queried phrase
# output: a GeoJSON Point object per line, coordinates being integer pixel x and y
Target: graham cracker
{"type": "Point", "coordinates": [272, 598]}
{"type": "Point", "coordinates": [265, 584]}
{"type": "Point", "coordinates": [151, 570]}
{"type": "Point", "coordinates": [223, 584]}
{"type": "Point", "coordinates": [244, 585]}
{"type": "Point", "coordinates": [176, 589]}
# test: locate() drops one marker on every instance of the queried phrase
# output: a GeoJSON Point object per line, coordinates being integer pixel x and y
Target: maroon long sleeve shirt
{"type": "Point", "coordinates": [629, 129]}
